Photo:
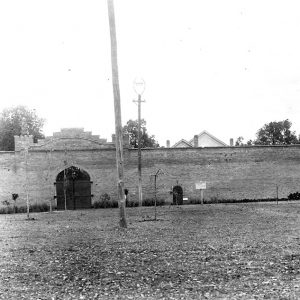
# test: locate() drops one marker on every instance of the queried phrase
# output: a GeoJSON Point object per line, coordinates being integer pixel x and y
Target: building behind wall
{"type": "Point", "coordinates": [251, 172]}
{"type": "Point", "coordinates": [203, 139]}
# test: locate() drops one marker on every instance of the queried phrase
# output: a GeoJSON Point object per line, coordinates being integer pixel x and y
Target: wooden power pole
{"type": "Point", "coordinates": [139, 87]}
{"type": "Point", "coordinates": [26, 181]}
{"type": "Point", "coordinates": [117, 105]}
{"type": "Point", "coordinates": [139, 101]}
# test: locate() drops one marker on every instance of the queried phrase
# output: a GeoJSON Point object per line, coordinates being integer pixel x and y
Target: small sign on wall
{"type": "Point", "coordinates": [201, 185]}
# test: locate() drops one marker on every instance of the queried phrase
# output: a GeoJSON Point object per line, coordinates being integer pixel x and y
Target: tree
{"type": "Point", "coordinates": [276, 133]}
{"type": "Point", "coordinates": [147, 141]}
{"type": "Point", "coordinates": [239, 141]}
{"type": "Point", "coordinates": [19, 120]}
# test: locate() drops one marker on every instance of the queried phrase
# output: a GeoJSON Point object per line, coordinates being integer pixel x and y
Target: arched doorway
{"type": "Point", "coordinates": [73, 189]}
{"type": "Point", "coordinates": [177, 195]}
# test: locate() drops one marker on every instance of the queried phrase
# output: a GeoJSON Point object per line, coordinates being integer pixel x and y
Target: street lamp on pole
{"type": "Point", "coordinates": [139, 87]}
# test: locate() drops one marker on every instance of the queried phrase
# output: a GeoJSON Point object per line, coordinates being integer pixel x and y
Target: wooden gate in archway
{"type": "Point", "coordinates": [73, 189]}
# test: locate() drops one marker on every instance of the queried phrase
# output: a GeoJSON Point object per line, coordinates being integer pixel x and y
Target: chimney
{"type": "Point", "coordinates": [113, 138]}
{"type": "Point", "coordinates": [231, 142]}
{"type": "Point", "coordinates": [168, 143]}
{"type": "Point", "coordinates": [196, 141]}
{"type": "Point", "coordinates": [126, 140]}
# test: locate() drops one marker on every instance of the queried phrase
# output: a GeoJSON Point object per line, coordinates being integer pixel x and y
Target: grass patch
{"type": "Point", "coordinates": [232, 251]}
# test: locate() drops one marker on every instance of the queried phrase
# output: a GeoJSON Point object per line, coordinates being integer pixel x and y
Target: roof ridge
{"type": "Point", "coordinates": [182, 140]}
{"type": "Point", "coordinates": [209, 134]}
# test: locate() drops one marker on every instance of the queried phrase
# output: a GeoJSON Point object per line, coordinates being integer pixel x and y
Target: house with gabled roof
{"type": "Point", "coordinates": [182, 144]}
{"type": "Point", "coordinates": [203, 139]}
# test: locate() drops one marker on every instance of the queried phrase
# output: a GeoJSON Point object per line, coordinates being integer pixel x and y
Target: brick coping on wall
{"type": "Point", "coordinates": [158, 149]}
{"type": "Point", "coordinates": [215, 148]}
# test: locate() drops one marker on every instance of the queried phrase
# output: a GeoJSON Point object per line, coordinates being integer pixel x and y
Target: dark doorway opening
{"type": "Point", "coordinates": [73, 189]}
{"type": "Point", "coordinates": [177, 195]}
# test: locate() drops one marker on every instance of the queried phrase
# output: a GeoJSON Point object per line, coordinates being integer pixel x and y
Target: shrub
{"type": "Point", "coordinates": [43, 207]}
{"type": "Point", "coordinates": [5, 202]}
{"type": "Point", "coordinates": [96, 204]}
{"type": "Point", "coordinates": [21, 209]}
{"type": "Point", "coordinates": [194, 201]}
{"type": "Point", "coordinates": [132, 203]}
{"type": "Point", "coordinates": [294, 196]}
{"type": "Point", "coordinates": [105, 197]}
{"type": "Point", "coordinates": [214, 200]}
{"type": "Point", "coordinates": [6, 210]}
{"type": "Point", "coordinates": [151, 202]}
{"type": "Point", "coordinates": [105, 202]}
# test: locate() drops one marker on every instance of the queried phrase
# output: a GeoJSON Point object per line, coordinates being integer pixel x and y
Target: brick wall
{"type": "Point", "coordinates": [235, 173]}
{"type": "Point", "coordinates": [230, 172]}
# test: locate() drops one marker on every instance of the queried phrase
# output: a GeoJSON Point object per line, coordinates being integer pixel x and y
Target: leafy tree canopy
{"type": "Point", "coordinates": [147, 141]}
{"type": "Point", "coordinates": [240, 142]}
{"type": "Point", "coordinates": [276, 133]}
{"type": "Point", "coordinates": [19, 120]}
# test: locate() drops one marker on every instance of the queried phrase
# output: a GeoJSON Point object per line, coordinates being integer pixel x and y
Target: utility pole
{"type": "Point", "coordinates": [139, 87]}
{"type": "Point", "coordinates": [26, 181]}
{"type": "Point", "coordinates": [49, 178]}
{"type": "Point", "coordinates": [117, 107]}
{"type": "Point", "coordinates": [155, 193]}
{"type": "Point", "coordinates": [65, 179]}
{"type": "Point", "coordinates": [24, 132]}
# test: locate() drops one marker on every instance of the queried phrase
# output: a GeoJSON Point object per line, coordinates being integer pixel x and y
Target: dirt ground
{"type": "Point", "coordinates": [219, 251]}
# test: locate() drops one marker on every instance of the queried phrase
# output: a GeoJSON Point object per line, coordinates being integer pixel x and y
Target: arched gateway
{"type": "Point", "coordinates": [73, 189]}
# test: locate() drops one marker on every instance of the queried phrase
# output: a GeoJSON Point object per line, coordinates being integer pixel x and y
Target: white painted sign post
{"type": "Point", "coordinates": [201, 185]}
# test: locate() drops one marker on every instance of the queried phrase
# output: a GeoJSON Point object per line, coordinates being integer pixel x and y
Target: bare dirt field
{"type": "Point", "coordinates": [233, 251]}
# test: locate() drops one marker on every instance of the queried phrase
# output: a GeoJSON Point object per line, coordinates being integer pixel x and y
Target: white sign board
{"type": "Point", "coordinates": [201, 185]}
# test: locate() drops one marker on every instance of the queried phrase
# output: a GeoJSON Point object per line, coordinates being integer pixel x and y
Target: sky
{"type": "Point", "coordinates": [227, 67]}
